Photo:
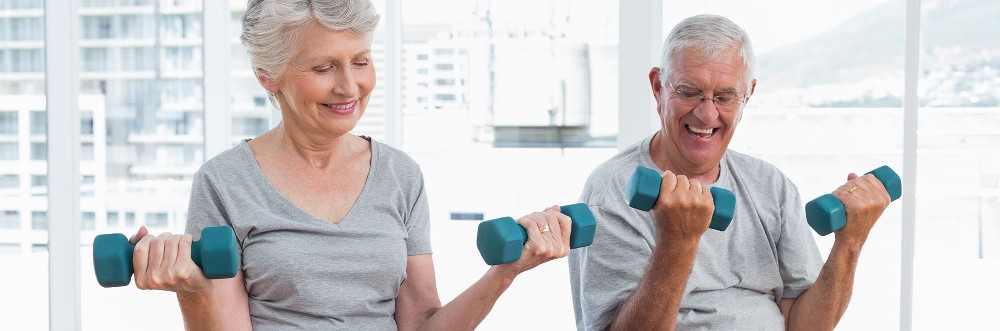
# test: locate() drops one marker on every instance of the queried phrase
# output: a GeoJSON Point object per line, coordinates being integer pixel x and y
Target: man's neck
{"type": "Point", "coordinates": [661, 152]}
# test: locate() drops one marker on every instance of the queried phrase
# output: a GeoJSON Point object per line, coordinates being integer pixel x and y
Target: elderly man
{"type": "Point", "coordinates": [662, 269]}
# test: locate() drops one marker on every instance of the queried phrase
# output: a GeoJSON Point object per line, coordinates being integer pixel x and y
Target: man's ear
{"type": "Point", "coordinates": [654, 83]}
{"type": "Point", "coordinates": [266, 82]}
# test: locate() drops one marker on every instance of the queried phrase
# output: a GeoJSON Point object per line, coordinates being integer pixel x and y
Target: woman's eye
{"type": "Point", "coordinates": [322, 69]}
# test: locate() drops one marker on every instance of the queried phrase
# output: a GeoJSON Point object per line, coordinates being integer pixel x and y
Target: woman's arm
{"type": "Point", "coordinates": [164, 263]}
{"type": "Point", "coordinates": [418, 306]}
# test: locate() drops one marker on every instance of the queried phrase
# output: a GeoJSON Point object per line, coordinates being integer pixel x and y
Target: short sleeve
{"type": "Point", "coordinates": [205, 208]}
{"type": "Point", "coordinates": [799, 259]}
{"type": "Point", "coordinates": [418, 222]}
{"type": "Point", "coordinates": [605, 273]}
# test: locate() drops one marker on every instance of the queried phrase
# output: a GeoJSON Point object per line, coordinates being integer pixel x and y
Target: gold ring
{"type": "Point", "coordinates": [543, 229]}
{"type": "Point", "coordinates": [851, 191]}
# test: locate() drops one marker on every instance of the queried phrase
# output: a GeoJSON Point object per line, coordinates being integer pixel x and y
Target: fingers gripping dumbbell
{"type": "Point", "coordinates": [216, 253]}
{"type": "Point", "coordinates": [826, 213]}
{"type": "Point", "coordinates": [644, 189]}
{"type": "Point", "coordinates": [500, 240]}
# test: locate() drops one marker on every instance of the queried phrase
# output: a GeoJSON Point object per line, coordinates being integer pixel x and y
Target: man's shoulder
{"type": "Point", "coordinates": [612, 174]}
{"type": "Point", "coordinates": [751, 169]}
{"type": "Point", "coordinates": [747, 163]}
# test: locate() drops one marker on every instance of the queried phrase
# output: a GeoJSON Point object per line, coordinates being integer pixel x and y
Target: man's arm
{"type": "Point", "coordinates": [660, 290]}
{"type": "Point", "coordinates": [682, 214]}
{"type": "Point", "coordinates": [823, 304]}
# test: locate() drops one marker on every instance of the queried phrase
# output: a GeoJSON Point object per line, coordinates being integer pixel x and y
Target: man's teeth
{"type": "Point", "coordinates": [700, 131]}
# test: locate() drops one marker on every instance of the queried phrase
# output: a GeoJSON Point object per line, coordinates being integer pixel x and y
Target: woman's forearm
{"type": "Point", "coordinates": [468, 309]}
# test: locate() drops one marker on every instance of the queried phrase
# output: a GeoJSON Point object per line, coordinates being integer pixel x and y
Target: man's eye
{"type": "Point", "coordinates": [322, 69]}
{"type": "Point", "coordinates": [724, 100]}
{"type": "Point", "coordinates": [687, 93]}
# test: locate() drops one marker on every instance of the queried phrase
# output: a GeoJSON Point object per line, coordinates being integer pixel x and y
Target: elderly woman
{"type": "Point", "coordinates": [333, 227]}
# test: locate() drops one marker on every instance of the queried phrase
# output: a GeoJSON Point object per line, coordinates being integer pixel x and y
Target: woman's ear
{"type": "Point", "coordinates": [270, 85]}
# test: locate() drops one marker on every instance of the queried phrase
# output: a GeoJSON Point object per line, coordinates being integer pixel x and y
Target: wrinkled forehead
{"type": "Point", "coordinates": [693, 61]}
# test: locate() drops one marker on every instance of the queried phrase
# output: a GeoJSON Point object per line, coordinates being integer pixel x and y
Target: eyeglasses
{"type": "Point", "coordinates": [691, 97]}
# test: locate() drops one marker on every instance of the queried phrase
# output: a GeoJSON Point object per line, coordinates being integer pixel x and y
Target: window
{"type": "Point", "coordinates": [22, 98]}
{"type": "Point", "coordinates": [458, 130]}
{"type": "Point", "coordinates": [87, 152]}
{"type": "Point", "coordinates": [94, 59]}
{"type": "Point", "coordinates": [38, 122]}
{"type": "Point", "coordinates": [88, 221]}
{"type": "Point", "coordinates": [130, 219]}
{"type": "Point", "coordinates": [10, 181]}
{"type": "Point", "coordinates": [87, 123]}
{"type": "Point", "coordinates": [958, 215]}
{"type": "Point", "coordinates": [444, 97]}
{"type": "Point", "coordinates": [10, 219]}
{"type": "Point", "coordinates": [112, 219]}
{"type": "Point", "coordinates": [39, 151]}
{"type": "Point", "coordinates": [8, 151]}
{"type": "Point", "coordinates": [96, 27]}
{"type": "Point", "coordinates": [158, 220]}
{"type": "Point", "coordinates": [39, 180]}
{"type": "Point", "coordinates": [444, 66]}
{"type": "Point", "coordinates": [39, 220]}
{"type": "Point", "coordinates": [8, 123]}
{"type": "Point", "coordinates": [250, 126]}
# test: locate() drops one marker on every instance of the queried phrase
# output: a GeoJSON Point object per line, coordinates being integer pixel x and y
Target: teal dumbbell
{"type": "Point", "coordinates": [826, 214]}
{"type": "Point", "coordinates": [644, 188]}
{"type": "Point", "coordinates": [500, 240]}
{"type": "Point", "coordinates": [216, 253]}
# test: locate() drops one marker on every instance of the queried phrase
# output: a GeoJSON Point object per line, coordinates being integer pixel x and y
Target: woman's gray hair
{"type": "Point", "coordinates": [271, 27]}
{"type": "Point", "coordinates": [710, 35]}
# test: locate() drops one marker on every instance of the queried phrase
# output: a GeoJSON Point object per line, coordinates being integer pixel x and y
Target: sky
{"type": "Point", "coordinates": [798, 19]}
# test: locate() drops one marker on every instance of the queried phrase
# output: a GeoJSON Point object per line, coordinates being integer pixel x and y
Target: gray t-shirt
{"type": "Point", "coordinates": [766, 254]}
{"type": "Point", "coordinates": [305, 273]}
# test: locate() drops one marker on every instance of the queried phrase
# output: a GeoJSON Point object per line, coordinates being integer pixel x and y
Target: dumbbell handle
{"type": "Point", "coordinates": [501, 240]}
{"type": "Point", "coordinates": [113, 256]}
{"type": "Point", "coordinates": [826, 214]}
{"type": "Point", "coordinates": [644, 189]}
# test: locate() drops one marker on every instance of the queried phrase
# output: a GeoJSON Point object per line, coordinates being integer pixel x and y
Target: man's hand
{"type": "Point", "coordinates": [864, 199]}
{"type": "Point", "coordinates": [683, 210]}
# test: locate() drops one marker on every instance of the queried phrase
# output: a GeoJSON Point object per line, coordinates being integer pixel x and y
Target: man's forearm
{"type": "Point", "coordinates": [657, 298]}
{"type": "Point", "coordinates": [823, 304]}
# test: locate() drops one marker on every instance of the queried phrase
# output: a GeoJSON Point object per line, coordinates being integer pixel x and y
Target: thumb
{"type": "Point", "coordinates": [852, 176]}
{"type": "Point", "coordinates": [138, 235]}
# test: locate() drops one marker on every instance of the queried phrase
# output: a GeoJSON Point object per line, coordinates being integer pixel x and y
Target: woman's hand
{"type": "Point", "coordinates": [164, 263]}
{"type": "Point", "coordinates": [548, 239]}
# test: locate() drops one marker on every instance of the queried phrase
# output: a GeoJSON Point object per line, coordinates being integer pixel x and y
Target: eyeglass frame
{"type": "Point", "coordinates": [719, 105]}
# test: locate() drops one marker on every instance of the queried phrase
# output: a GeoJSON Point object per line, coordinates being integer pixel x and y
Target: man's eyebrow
{"type": "Point", "coordinates": [727, 90]}
{"type": "Point", "coordinates": [687, 84]}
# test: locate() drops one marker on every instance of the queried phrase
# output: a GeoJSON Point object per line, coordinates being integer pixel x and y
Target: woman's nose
{"type": "Point", "coordinates": [345, 84]}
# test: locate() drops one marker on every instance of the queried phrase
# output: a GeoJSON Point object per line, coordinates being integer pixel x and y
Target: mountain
{"type": "Point", "coordinates": [955, 33]}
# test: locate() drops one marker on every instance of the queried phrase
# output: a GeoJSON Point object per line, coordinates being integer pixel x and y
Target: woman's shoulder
{"type": "Point", "coordinates": [392, 157]}
{"type": "Point", "coordinates": [230, 160]}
